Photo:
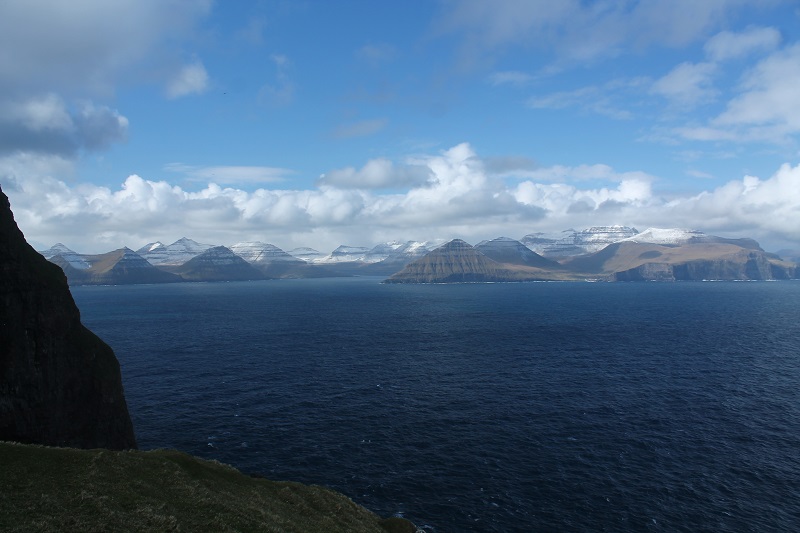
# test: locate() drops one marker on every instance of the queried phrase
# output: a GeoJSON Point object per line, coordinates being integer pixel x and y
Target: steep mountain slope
{"type": "Point", "coordinates": [120, 267]}
{"type": "Point", "coordinates": [60, 385]}
{"type": "Point", "coordinates": [678, 236]}
{"type": "Point", "coordinates": [505, 250]}
{"type": "Point", "coordinates": [275, 263]}
{"type": "Point", "coordinates": [260, 252]}
{"type": "Point", "coordinates": [176, 253]}
{"type": "Point", "coordinates": [75, 260]}
{"type": "Point", "coordinates": [571, 243]}
{"type": "Point", "coordinates": [216, 264]}
{"type": "Point", "coordinates": [458, 262]}
{"type": "Point", "coordinates": [344, 254]}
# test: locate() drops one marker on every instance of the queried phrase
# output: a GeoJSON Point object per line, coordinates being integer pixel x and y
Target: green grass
{"type": "Point", "coordinates": [66, 489]}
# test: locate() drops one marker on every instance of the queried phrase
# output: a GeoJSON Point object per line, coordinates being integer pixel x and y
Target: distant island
{"type": "Point", "coordinates": [601, 253]}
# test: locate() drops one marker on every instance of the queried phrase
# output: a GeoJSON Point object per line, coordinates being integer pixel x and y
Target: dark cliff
{"type": "Point", "coordinates": [60, 385]}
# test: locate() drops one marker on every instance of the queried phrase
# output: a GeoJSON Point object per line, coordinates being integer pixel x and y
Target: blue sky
{"type": "Point", "coordinates": [356, 122]}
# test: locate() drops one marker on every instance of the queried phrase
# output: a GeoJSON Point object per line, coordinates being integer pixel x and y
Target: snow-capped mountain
{"type": "Point", "coordinates": [218, 263]}
{"type": "Point", "coordinates": [570, 242]}
{"type": "Point", "coordinates": [411, 251]}
{"type": "Point", "coordinates": [344, 254]}
{"type": "Point", "coordinates": [669, 236]}
{"type": "Point", "coordinates": [150, 247]}
{"type": "Point", "coordinates": [260, 252]}
{"type": "Point", "coordinates": [74, 259]}
{"type": "Point", "coordinates": [679, 236]}
{"type": "Point", "coordinates": [176, 253]}
{"type": "Point", "coordinates": [306, 254]}
{"type": "Point", "coordinates": [381, 251]}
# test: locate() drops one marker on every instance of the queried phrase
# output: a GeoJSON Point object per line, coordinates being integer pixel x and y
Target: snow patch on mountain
{"type": "Point", "coordinates": [260, 252]}
{"type": "Point", "coordinates": [304, 253]}
{"type": "Point", "coordinates": [150, 247]}
{"type": "Point", "coordinates": [345, 254]}
{"type": "Point", "coordinates": [381, 251]}
{"type": "Point", "coordinates": [75, 259]}
{"type": "Point", "coordinates": [670, 236]}
{"type": "Point", "coordinates": [177, 253]}
{"type": "Point", "coordinates": [570, 242]}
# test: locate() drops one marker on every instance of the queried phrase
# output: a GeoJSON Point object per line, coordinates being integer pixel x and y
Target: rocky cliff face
{"type": "Point", "coordinates": [746, 264]}
{"type": "Point", "coordinates": [60, 385]}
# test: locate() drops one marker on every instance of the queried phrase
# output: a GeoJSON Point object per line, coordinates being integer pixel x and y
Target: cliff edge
{"type": "Point", "coordinates": [60, 385]}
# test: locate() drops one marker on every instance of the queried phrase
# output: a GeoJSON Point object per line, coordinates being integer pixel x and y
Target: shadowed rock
{"type": "Point", "coordinates": [60, 385]}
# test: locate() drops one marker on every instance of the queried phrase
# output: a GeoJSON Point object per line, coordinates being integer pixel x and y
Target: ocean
{"type": "Point", "coordinates": [480, 407]}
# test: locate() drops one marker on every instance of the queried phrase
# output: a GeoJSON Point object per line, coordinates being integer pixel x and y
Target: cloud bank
{"type": "Point", "coordinates": [460, 197]}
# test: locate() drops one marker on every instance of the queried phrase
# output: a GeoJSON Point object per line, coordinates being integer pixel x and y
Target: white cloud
{"type": "Point", "coordinates": [460, 200]}
{"type": "Point", "coordinates": [770, 93]}
{"type": "Point", "coordinates": [731, 45]}
{"type": "Point", "coordinates": [82, 46]}
{"type": "Point", "coordinates": [57, 59]}
{"type": "Point", "coordinates": [573, 30]}
{"type": "Point", "coordinates": [377, 174]}
{"type": "Point", "coordinates": [190, 79]}
{"type": "Point", "coordinates": [231, 174]}
{"type": "Point", "coordinates": [596, 99]}
{"type": "Point", "coordinates": [46, 124]}
{"type": "Point", "coordinates": [688, 84]}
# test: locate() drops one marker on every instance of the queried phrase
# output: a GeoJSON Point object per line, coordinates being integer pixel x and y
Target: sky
{"type": "Point", "coordinates": [318, 123]}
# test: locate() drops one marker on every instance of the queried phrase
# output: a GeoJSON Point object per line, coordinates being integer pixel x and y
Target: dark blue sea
{"type": "Point", "coordinates": [480, 407]}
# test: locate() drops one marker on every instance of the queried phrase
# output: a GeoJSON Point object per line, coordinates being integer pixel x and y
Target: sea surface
{"type": "Point", "coordinates": [480, 407]}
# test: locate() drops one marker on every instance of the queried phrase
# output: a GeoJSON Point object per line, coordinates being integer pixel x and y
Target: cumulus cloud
{"type": "Point", "coordinates": [460, 199]}
{"type": "Point", "coordinates": [46, 124]}
{"type": "Point", "coordinates": [190, 79]}
{"type": "Point", "coordinates": [59, 59]}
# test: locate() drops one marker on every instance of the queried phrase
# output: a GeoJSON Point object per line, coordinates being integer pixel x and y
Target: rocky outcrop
{"type": "Point", "coordinates": [60, 385]}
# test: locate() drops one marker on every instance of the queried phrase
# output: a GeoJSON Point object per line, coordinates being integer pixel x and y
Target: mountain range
{"type": "Point", "coordinates": [608, 253]}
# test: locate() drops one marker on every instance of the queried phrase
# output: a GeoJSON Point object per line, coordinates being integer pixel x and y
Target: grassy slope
{"type": "Point", "coordinates": [65, 489]}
